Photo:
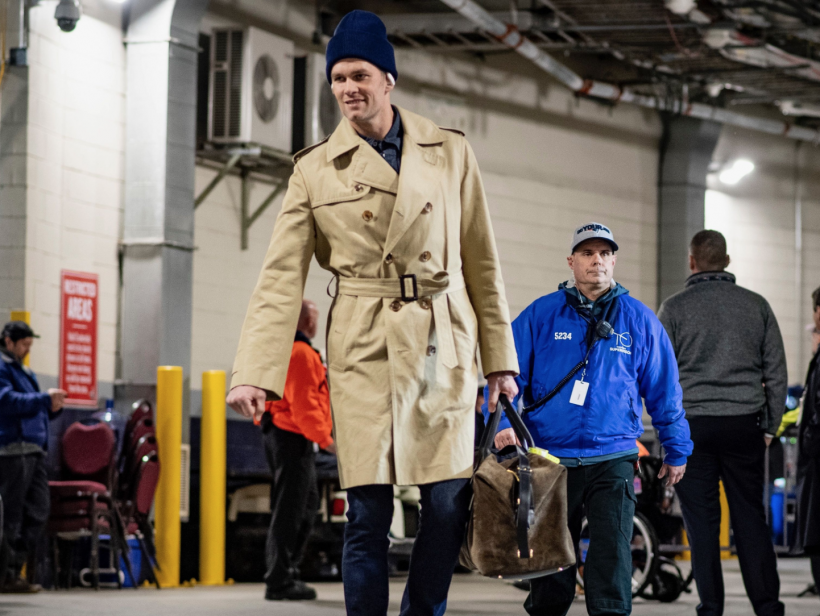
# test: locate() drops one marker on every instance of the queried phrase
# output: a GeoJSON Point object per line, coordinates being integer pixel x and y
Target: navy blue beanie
{"type": "Point", "coordinates": [361, 35]}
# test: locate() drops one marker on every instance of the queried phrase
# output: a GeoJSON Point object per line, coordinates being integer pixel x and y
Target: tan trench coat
{"type": "Point", "coordinates": [402, 374]}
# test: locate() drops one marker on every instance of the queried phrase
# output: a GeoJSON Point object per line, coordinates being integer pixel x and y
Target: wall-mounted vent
{"type": "Point", "coordinates": [323, 114]}
{"type": "Point", "coordinates": [251, 88]}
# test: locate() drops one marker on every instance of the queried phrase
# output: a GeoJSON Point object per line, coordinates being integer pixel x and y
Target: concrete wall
{"type": "Point", "coordinates": [775, 249]}
{"type": "Point", "coordinates": [76, 126]}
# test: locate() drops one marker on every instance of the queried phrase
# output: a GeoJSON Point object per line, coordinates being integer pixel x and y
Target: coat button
{"type": "Point", "coordinates": [431, 350]}
{"type": "Point", "coordinates": [425, 256]}
{"type": "Point", "coordinates": [359, 188]}
{"type": "Point", "coordinates": [389, 259]}
{"type": "Point", "coordinates": [427, 208]}
{"type": "Point", "coordinates": [425, 303]}
{"type": "Point", "coordinates": [395, 306]}
{"type": "Point", "coordinates": [367, 215]}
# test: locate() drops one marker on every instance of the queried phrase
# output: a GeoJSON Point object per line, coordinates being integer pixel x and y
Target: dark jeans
{"type": "Point", "coordinates": [26, 505]}
{"type": "Point", "coordinates": [443, 518]}
{"type": "Point", "coordinates": [294, 500]}
{"type": "Point", "coordinates": [731, 449]}
{"type": "Point", "coordinates": [605, 492]}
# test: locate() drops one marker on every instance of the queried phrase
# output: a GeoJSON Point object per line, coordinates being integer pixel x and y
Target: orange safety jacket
{"type": "Point", "coordinates": [305, 405]}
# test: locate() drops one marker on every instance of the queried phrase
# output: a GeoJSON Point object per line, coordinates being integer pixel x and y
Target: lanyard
{"type": "Point", "coordinates": [598, 330]}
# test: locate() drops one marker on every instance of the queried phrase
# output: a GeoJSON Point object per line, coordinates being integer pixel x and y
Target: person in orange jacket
{"type": "Point", "coordinates": [294, 428]}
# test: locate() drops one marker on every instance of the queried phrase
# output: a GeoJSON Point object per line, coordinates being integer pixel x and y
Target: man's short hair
{"type": "Point", "coordinates": [709, 250]}
{"type": "Point", "coordinates": [815, 298]}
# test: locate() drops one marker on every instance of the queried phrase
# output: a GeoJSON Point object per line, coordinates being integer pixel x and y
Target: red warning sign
{"type": "Point", "coordinates": [78, 337]}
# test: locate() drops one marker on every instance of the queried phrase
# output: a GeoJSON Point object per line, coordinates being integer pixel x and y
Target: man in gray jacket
{"type": "Point", "coordinates": [733, 373]}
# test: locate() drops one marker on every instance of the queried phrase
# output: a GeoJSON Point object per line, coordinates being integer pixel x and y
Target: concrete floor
{"type": "Point", "coordinates": [470, 595]}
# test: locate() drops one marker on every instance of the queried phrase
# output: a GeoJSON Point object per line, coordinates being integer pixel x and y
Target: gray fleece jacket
{"type": "Point", "coordinates": [728, 346]}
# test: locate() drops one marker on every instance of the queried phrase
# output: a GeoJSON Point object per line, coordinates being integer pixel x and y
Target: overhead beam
{"type": "Point", "coordinates": [419, 23]}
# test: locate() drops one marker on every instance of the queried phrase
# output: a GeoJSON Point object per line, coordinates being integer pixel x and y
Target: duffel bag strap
{"type": "Point", "coordinates": [518, 425]}
{"type": "Point", "coordinates": [522, 514]}
{"type": "Point", "coordinates": [487, 438]}
{"type": "Point", "coordinates": [524, 499]}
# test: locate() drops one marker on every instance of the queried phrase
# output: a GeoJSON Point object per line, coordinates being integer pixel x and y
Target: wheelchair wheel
{"type": "Point", "coordinates": [644, 547]}
{"type": "Point", "coordinates": [667, 583]}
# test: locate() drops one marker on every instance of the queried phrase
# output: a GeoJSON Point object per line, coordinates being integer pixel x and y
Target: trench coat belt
{"type": "Point", "coordinates": [436, 287]}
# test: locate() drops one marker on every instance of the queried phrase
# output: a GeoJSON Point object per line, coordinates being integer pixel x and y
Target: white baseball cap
{"type": "Point", "coordinates": [592, 231]}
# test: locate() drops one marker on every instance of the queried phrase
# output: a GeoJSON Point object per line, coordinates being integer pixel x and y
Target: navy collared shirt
{"type": "Point", "coordinates": [390, 146]}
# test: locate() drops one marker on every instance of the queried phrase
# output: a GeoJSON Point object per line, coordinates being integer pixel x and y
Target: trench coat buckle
{"type": "Point", "coordinates": [409, 283]}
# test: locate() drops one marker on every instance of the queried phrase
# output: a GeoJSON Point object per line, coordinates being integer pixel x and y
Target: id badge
{"type": "Point", "coordinates": [579, 393]}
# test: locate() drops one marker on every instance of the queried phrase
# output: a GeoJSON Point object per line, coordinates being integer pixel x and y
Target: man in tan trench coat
{"type": "Point", "coordinates": [394, 207]}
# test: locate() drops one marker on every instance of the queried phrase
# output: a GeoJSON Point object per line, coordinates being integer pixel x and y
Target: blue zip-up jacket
{"type": "Point", "coordinates": [24, 410]}
{"type": "Point", "coordinates": [636, 362]}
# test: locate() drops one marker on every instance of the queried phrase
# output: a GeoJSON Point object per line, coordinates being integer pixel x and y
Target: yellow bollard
{"type": "Point", "coordinates": [169, 442]}
{"type": "Point", "coordinates": [684, 540]}
{"type": "Point", "coordinates": [724, 531]}
{"type": "Point", "coordinates": [25, 316]}
{"type": "Point", "coordinates": [724, 525]}
{"type": "Point", "coordinates": [212, 483]}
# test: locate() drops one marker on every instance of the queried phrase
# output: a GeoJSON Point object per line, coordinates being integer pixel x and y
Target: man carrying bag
{"type": "Point", "coordinates": [394, 206]}
{"type": "Point", "coordinates": [588, 354]}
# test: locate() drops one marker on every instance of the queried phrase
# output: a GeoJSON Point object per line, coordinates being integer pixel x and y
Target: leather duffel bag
{"type": "Point", "coordinates": [518, 518]}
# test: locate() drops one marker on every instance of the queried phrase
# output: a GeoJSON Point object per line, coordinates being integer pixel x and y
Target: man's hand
{"type": "Point", "coordinates": [506, 437]}
{"type": "Point", "coordinates": [248, 401]}
{"type": "Point", "coordinates": [501, 383]}
{"type": "Point", "coordinates": [674, 473]}
{"type": "Point", "coordinates": [330, 448]}
{"type": "Point", "coordinates": [57, 399]}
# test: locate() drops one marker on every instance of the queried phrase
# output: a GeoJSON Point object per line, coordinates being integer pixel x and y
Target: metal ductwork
{"type": "Point", "coordinates": [734, 46]}
{"type": "Point", "coordinates": [510, 36]}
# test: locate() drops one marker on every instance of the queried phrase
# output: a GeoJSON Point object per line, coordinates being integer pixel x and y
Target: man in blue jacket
{"type": "Point", "coordinates": [591, 422]}
{"type": "Point", "coordinates": [24, 416]}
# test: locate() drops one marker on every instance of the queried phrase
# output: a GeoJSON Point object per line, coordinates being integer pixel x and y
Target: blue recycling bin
{"type": "Point", "coordinates": [776, 509]}
{"type": "Point", "coordinates": [136, 563]}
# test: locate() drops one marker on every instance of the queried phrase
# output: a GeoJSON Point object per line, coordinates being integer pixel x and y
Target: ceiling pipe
{"type": "Point", "coordinates": [512, 38]}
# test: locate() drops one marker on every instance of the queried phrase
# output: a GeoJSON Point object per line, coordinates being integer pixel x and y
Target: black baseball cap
{"type": "Point", "coordinates": [17, 330]}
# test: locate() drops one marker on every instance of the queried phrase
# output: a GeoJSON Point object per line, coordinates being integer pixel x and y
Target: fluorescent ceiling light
{"type": "Point", "coordinates": [732, 174]}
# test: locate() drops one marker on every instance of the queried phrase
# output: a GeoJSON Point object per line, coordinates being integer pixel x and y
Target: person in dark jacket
{"type": "Point", "coordinates": [294, 427]}
{"type": "Point", "coordinates": [733, 373]}
{"type": "Point", "coordinates": [24, 415]}
{"type": "Point", "coordinates": [808, 461]}
{"type": "Point", "coordinates": [591, 424]}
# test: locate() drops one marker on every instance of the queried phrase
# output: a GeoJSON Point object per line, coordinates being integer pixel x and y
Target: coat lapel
{"type": "Point", "coordinates": [371, 169]}
{"type": "Point", "coordinates": [418, 161]}
{"type": "Point", "coordinates": [368, 167]}
{"type": "Point", "coordinates": [343, 139]}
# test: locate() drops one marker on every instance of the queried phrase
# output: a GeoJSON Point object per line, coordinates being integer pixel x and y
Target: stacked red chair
{"type": "Point", "coordinates": [138, 480]}
{"type": "Point", "coordinates": [82, 503]}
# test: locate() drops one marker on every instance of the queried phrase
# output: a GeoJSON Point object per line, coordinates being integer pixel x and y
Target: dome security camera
{"type": "Point", "coordinates": [67, 14]}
